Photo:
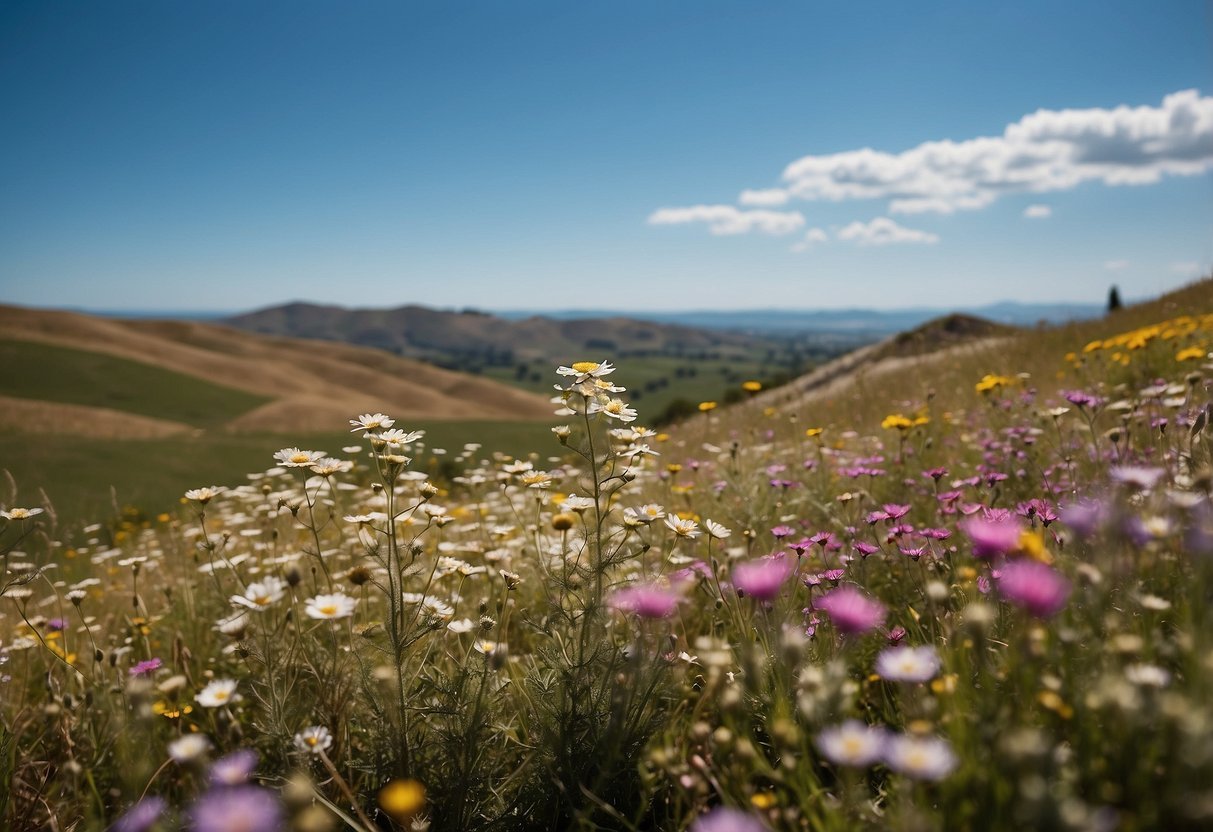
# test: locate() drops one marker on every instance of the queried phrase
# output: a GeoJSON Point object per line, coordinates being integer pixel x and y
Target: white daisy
{"type": "Point", "coordinates": [852, 744]}
{"type": "Point", "coordinates": [613, 408]}
{"type": "Point", "coordinates": [921, 758]}
{"type": "Point", "coordinates": [314, 740]}
{"type": "Point", "coordinates": [205, 494]}
{"type": "Point", "coordinates": [218, 693]}
{"type": "Point", "coordinates": [371, 422]}
{"type": "Point", "coordinates": [397, 437]}
{"type": "Point", "coordinates": [327, 607]}
{"type": "Point", "coordinates": [261, 594]}
{"type": "Point", "coordinates": [189, 748]}
{"type": "Point", "coordinates": [575, 503]}
{"type": "Point", "coordinates": [583, 370]}
{"type": "Point", "coordinates": [682, 528]}
{"type": "Point", "coordinates": [907, 664]}
{"type": "Point", "coordinates": [295, 458]}
{"type": "Point", "coordinates": [20, 513]}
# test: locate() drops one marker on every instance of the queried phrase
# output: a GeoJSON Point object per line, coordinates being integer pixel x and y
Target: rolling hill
{"type": "Point", "coordinates": [442, 336]}
{"type": "Point", "coordinates": [143, 368]}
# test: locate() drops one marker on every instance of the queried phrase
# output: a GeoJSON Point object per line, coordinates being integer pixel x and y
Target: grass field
{"type": "Point", "coordinates": [987, 608]}
{"type": "Point", "coordinates": [45, 372]}
{"type": "Point", "coordinates": [654, 382]}
{"type": "Point", "coordinates": [94, 480]}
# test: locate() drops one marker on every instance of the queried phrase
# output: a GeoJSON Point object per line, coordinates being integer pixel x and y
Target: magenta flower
{"type": "Point", "coordinates": [762, 579]}
{"type": "Point", "coordinates": [645, 600]}
{"type": "Point", "coordinates": [992, 537]}
{"type": "Point", "coordinates": [852, 611]}
{"type": "Point", "coordinates": [1039, 589]}
{"type": "Point", "coordinates": [780, 532]}
{"type": "Point", "coordinates": [145, 668]}
{"type": "Point", "coordinates": [895, 511]}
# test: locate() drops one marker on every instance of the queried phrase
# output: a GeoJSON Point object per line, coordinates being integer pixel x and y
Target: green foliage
{"type": "Point", "coordinates": [589, 636]}
{"type": "Point", "coordinates": [50, 373]}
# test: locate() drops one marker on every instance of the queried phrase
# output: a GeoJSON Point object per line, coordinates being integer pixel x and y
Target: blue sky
{"type": "Point", "coordinates": [698, 155]}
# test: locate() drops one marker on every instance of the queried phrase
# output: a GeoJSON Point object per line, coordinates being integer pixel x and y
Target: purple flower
{"type": "Point", "coordinates": [145, 668]}
{"type": "Point", "coordinates": [1085, 517]}
{"type": "Point", "coordinates": [851, 610]}
{"type": "Point", "coordinates": [780, 532]}
{"type": "Point", "coordinates": [936, 473]}
{"type": "Point", "coordinates": [645, 600]}
{"type": "Point", "coordinates": [234, 769]}
{"type": "Point", "coordinates": [762, 579]}
{"type": "Point", "coordinates": [1039, 589]}
{"type": "Point", "coordinates": [1078, 397]}
{"type": "Point", "coordinates": [56, 625]}
{"type": "Point", "coordinates": [247, 808]}
{"type": "Point", "coordinates": [141, 816]}
{"type": "Point", "coordinates": [992, 537]}
{"type": "Point", "coordinates": [894, 511]}
{"type": "Point", "coordinates": [724, 819]}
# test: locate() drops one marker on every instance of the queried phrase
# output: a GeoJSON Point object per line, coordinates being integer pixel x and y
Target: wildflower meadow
{"type": "Point", "coordinates": [980, 607]}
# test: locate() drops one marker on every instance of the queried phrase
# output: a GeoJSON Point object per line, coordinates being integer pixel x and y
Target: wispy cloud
{"type": "Point", "coordinates": [883, 231]}
{"type": "Point", "coordinates": [1188, 269]}
{"type": "Point", "coordinates": [1049, 150]}
{"type": "Point", "coordinates": [1038, 212]}
{"type": "Point", "coordinates": [1116, 265]}
{"type": "Point", "coordinates": [812, 237]}
{"type": "Point", "coordinates": [726, 219]}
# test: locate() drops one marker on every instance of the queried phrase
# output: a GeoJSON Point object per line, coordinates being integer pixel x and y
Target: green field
{"type": "Point", "coordinates": [655, 382]}
{"type": "Point", "coordinates": [31, 370]}
{"type": "Point", "coordinates": [92, 481]}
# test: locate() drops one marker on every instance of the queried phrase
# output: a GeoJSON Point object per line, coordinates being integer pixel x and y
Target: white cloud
{"type": "Point", "coordinates": [883, 231]}
{"type": "Point", "coordinates": [811, 238]}
{"type": "Point", "coordinates": [1116, 265]}
{"type": "Point", "coordinates": [764, 198]}
{"type": "Point", "coordinates": [726, 220]}
{"type": "Point", "coordinates": [1049, 150]}
{"type": "Point", "coordinates": [1038, 212]}
{"type": "Point", "coordinates": [1188, 269]}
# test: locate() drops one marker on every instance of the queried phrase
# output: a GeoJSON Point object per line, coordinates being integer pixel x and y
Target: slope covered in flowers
{"type": "Point", "coordinates": [982, 608]}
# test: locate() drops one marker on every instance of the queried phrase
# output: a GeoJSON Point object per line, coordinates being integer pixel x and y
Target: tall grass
{"type": "Point", "coordinates": [990, 612]}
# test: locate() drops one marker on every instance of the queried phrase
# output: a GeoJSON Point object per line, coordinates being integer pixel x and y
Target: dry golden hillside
{"type": "Point", "coordinates": [309, 385]}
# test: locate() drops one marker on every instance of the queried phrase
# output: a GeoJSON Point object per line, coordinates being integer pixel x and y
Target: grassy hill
{"type": "Point", "coordinates": [935, 369]}
{"type": "Point", "coordinates": [672, 366]}
{"type": "Point", "coordinates": [962, 599]}
{"type": "Point", "coordinates": [99, 412]}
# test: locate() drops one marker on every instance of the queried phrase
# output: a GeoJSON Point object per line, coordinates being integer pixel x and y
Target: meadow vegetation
{"type": "Point", "coordinates": [972, 592]}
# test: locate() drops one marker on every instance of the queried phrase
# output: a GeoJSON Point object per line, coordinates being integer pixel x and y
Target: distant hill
{"type": "Point", "coordinates": [146, 378]}
{"type": "Point", "coordinates": [872, 323]}
{"type": "Point", "coordinates": [448, 338]}
{"type": "Point", "coordinates": [941, 333]}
